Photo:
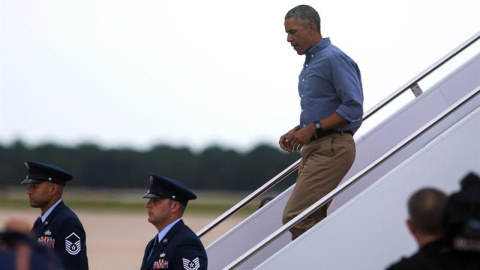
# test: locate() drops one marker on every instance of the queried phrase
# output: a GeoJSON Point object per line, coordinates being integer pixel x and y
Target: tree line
{"type": "Point", "coordinates": [214, 168]}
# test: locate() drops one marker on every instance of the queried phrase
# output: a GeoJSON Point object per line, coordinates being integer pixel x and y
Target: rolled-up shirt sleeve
{"type": "Point", "coordinates": [346, 78]}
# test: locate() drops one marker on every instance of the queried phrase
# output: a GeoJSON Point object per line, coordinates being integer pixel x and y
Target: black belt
{"type": "Point", "coordinates": [328, 132]}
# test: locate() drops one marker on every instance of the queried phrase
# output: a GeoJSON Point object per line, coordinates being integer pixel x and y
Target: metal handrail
{"type": "Point", "coordinates": [352, 180]}
{"type": "Point", "coordinates": [422, 75]}
{"type": "Point", "coordinates": [281, 176]}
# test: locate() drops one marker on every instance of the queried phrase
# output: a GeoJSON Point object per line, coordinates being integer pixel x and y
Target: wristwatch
{"type": "Point", "coordinates": [318, 127]}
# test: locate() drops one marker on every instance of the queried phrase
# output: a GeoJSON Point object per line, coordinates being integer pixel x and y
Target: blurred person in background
{"type": "Point", "coordinates": [426, 223]}
{"type": "Point", "coordinates": [446, 229]}
{"type": "Point", "coordinates": [18, 250]}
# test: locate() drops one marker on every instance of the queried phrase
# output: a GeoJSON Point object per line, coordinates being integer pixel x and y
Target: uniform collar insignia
{"type": "Point", "coordinates": [165, 240]}
{"type": "Point", "coordinates": [162, 255]}
{"type": "Point", "coordinates": [48, 232]}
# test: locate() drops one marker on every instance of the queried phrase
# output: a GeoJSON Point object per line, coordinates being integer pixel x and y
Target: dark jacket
{"type": "Point", "coordinates": [439, 255]}
{"type": "Point", "coordinates": [179, 249]}
{"type": "Point", "coordinates": [63, 231]}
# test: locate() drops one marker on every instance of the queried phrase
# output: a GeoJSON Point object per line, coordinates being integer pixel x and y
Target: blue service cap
{"type": "Point", "coordinates": [163, 187]}
{"type": "Point", "coordinates": [40, 172]}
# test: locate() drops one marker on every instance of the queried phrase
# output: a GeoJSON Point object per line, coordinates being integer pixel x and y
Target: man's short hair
{"type": "Point", "coordinates": [426, 208]}
{"type": "Point", "coordinates": [305, 14]}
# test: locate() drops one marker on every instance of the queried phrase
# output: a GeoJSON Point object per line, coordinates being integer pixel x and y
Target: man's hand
{"type": "Point", "coordinates": [296, 138]}
{"type": "Point", "coordinates": [284, 140]}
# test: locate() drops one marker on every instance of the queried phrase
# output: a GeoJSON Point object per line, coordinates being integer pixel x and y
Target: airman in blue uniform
{"type": "Point", "coordinates": [58, 227]}
{"type": "Point", "coordinates": [175, 246]}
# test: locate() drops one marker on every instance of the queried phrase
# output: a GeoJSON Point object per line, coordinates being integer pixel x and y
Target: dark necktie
{"type": "Point", "coordinates": [155, 242]}
{"type": "Point", "coordinates": [37, 224]}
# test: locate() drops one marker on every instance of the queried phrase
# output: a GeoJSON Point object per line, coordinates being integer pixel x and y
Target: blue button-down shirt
{"type": "Point", "coordinates": [330, 82]}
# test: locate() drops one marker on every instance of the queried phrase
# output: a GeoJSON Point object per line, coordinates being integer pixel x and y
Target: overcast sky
{"type": "Point", "coordinates": [196, 73]}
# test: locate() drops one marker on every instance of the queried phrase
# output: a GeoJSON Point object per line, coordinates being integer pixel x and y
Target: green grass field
{"type": "Point", "coordinates": [211, 203]}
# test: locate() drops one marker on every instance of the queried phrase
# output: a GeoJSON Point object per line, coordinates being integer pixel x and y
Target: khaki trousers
{"type": "Point", "coordinates": [324, 164]}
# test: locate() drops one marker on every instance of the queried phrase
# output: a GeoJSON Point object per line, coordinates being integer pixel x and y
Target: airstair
{"type": "Point", "coordinates": [432, 140]}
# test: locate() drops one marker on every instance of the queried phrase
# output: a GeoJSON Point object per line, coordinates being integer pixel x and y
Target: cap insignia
{"type": "Point", "coordinates": [151, 180]}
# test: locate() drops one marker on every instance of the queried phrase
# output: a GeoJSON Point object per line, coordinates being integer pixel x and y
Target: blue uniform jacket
{"type": "Point", "coordinates": [179, 249]}
{"type": "Point", "coordinates": [63, 231]}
